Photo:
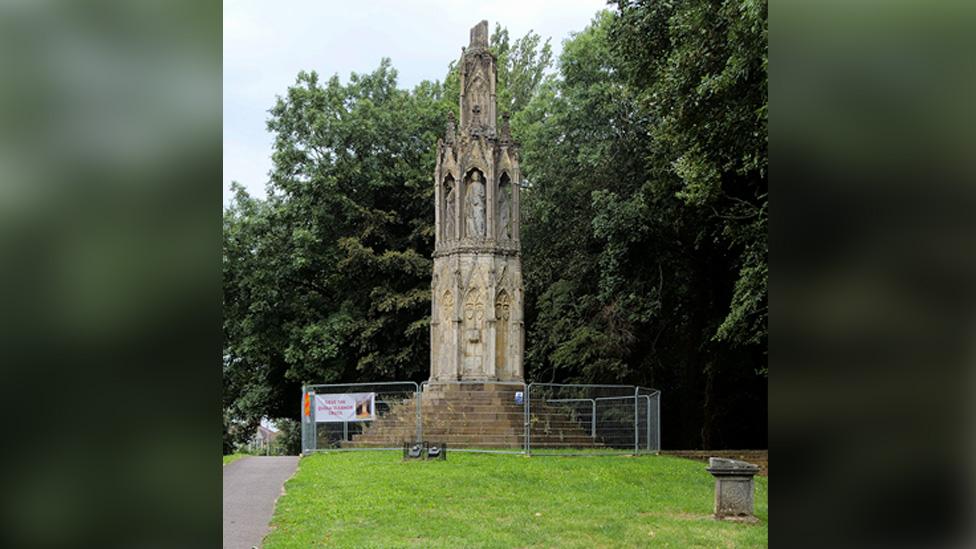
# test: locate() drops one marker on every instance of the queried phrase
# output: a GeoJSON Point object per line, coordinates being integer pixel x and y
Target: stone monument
{"type": "Point", "coordinates": [476, 325]}
{"type": "Point", "coordinates": [734, 488]}
{"type": "Point", "coordinates": [477, 330]}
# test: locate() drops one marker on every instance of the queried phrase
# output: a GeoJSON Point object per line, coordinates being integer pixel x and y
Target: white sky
{"type": "Point", "coordinates": [267, 42]}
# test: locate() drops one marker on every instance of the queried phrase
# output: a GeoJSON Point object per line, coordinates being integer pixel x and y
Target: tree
{"type": "Point", "coordinates": [703, 92]}
{"type": "Point", "coordinates": [634, 273]}
{"type": "Point", "coordinates": [328, 279]}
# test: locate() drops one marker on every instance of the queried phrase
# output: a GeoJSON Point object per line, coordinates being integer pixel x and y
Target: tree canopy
{"type": "Point", "coordinates": [644, 222]}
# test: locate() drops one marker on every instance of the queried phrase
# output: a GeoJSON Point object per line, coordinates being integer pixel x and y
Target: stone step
{"type": "Point", "coordinates": [475, 440]}
{"type": "Point", "coordinates": [456, 426]}
{"type": "Point", "coordinates": [475, 416]}
{"type": "Point", "coordinates": [401, 435]}
{"type": "Point", "coordinates": [476, 428]}
{"type": "Point", "coordinates": [470, 444]}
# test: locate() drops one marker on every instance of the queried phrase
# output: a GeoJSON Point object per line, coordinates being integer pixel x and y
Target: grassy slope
{"type": "Point", "coordinates": [373, 499]}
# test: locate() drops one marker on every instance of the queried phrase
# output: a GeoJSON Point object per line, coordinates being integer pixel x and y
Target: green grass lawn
{"type": "Point", "coordinates": [232, 458]}
{"type": "Point", "coordinates": [373, 499]}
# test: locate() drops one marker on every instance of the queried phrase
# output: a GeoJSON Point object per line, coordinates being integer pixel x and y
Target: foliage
{"type": "Point", "coordinates": [377, 500]}
{"type": "Point", "coordinates": [522, 65]}
{"type": "Point", "coordinates": [289, 439]}
{"type": "Point", "coordinates": [645, 220]}
{"type": "Point", "coordinates": [703, 90]}
{"type": "Point", "coordinates": [328, 278]}
{"type": "Point", "coordinates": [236, 432]}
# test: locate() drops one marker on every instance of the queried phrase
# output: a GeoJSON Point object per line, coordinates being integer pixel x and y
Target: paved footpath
{"type": "Point", "coordinates": [251, 487]}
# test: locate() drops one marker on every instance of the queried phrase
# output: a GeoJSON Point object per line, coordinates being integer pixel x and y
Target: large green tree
{"type": "Point", "coordinates": [328, 279]}
{"type": "Point", "coordinates": [644, 241]}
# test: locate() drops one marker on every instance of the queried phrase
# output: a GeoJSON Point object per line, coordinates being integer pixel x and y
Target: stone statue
{"type": "Point", "coordinates": [449, 208]}
{"type": "Point", "coordinates": [474, 206]}
{"type": "Point", "coordinates": [506, 128]}
{"type": "Point", "coordinates": [450, 129]}
{"type": "Point", "coordinates": [505, 209]}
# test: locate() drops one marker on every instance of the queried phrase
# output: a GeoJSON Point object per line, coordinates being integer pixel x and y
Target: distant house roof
{"type": "Point", "coordinates": [267, 434]}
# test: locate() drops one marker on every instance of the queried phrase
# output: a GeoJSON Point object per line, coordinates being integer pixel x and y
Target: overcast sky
{"type": "Point", "coordinates": [266, 43]}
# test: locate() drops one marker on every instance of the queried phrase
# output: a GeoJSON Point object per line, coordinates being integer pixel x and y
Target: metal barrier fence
{"type": "Point", "coordinates": [327, 425]}
{"type": "Point", "coordinates": [490, 416]}
{"type": "Point", "coordinates": [615, 418]}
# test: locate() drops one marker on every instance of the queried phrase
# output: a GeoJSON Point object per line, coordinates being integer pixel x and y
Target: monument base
{"type": "Point", "coordinates": [474, 415]}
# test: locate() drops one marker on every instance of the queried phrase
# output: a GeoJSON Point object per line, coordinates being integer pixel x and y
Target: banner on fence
{"type": "Point", "coordinates": [345, 407]}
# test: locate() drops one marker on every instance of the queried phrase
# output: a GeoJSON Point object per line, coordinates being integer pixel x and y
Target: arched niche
{"type": "Point", "coordinates": [473, 336]}
{"type": "Point", "coordinates": [505, 200]}
{"type": "Point", "coordinates": [474, 204]}
{"type": "Point", "coordinates": [503, 312]}
{"type": "Point", "coordinates": [449, 208]}
{"type": "Point", "coordinates": [444, 345]}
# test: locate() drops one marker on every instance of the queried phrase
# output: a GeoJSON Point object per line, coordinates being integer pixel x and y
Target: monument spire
{"type": "Point", "coordinates": [478, 80]}
{"type": "Point", "coordinates": [479, 35]}
{"type": "Point", "coordinates": [477, 329]}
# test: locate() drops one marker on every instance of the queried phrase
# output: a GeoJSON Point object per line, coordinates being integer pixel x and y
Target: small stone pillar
{"type": "Point", "coordinates": [733, 487]}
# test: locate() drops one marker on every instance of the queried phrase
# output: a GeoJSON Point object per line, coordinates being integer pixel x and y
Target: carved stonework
{"type": "Point", "coordinates": [734, 487]}
{"type": "Point", "coordinates": [503, 306]}
{"type": "Point", "coordinates": [474, 316]}
{"type": "Point", "coordinates": [478, 84]}
{"type": "Point", "coordinates": [504, 208]}
{"type": "Point", "coordinates": [479, 331]}
{"type": "Point", "coordinates": [506, 133]}
{"type": "Point", "coordinates": [474, 206]}
{"type": "Point", "coordinates": [450, 130]}
{"type": "Point", "coordinates": [444, 344]}
{"type": "Point", "coordinates": [450, 206]}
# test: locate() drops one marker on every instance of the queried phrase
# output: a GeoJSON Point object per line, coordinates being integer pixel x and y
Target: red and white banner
{"type": "Point", "coordinates": [345, 407]}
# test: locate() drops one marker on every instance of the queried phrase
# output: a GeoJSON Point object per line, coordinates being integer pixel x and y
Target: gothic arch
{"type": "Point", "coordinates": [447, 306]}
{"type": "Point", "coordinates": [475, 204]}
{"type": "Point", "coordinates": [503, 306]}
{"type": "Point", "coordinates": [449, 191]}
{"type": "Point", "coordinates": [503, 213]}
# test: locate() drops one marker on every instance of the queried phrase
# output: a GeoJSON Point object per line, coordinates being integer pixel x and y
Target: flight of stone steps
{"type": "Point", "coordinates": [475, 416]}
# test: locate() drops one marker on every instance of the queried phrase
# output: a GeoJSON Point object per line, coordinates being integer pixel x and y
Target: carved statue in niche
{"type": "Point", "coordinates": [504, 208]}
{"type": "Point", "coordinates": [450, 131]}
{"type": "Point", "coordinates": [474, 206]}
{"type": "Point", "coordinates": [449, 208]}
{"type": "Point", "coordinates": [474, 314]}
{"type": "Point", "coordinates": [503, 307]}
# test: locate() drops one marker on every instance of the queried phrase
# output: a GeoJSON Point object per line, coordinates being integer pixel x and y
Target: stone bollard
{"type": "Point", "coordinates": [733, 487]}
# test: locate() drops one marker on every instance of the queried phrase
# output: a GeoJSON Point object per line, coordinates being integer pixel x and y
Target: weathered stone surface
{"type": "Point", "coordinates": [477, 328]}
{"type": "Point", "coordinates": [734, 487]}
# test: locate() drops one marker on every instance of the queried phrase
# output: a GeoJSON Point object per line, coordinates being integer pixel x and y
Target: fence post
{"type": "Point", "coordinates": [593, 419]}
{"type": "Point", "coordinates": [304, 422]}
{"type": "Point", "coordinates": [528, 419]}
{"type": "Point", "coordinates": [658, 421]}
{"type": "Point", "coordinates": [420, 419]}
{"type": "Point", "coordinates": [648, 421]}
{"type": "Point", "coordinates": [636, 426]}
{"type": "Point", "coordinates": [314, 431]}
